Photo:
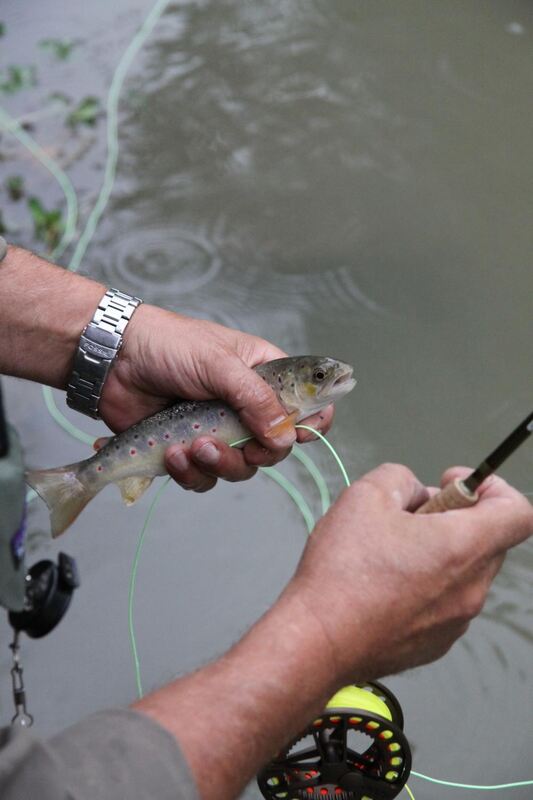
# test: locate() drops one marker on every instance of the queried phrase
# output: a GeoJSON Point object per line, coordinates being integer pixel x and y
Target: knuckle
{"type": "Point", "coordinates": [453, 552]}
{"type": "Point", "coordinates": [251, 346]}
{"type": "Point", "coordinates": [525, 509]}
{"type": "Point", "coordinates": [457, 630]}
{"type": "Point", "coordinates": [392, 468]}
{"type": "Point", "coordinates": [365, 489]}
{"type": "Point", "coordinates": [253, 391]}
{"type": "Point", "coordinates": [384, 476]}
{"type": "Point", "coordinates": [470, 606]}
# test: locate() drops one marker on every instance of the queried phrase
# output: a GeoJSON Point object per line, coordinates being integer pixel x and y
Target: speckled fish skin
{"type": "Point", "coordinates": [139, 451]}
{"type": "Point", "coordinates": [303, 384]}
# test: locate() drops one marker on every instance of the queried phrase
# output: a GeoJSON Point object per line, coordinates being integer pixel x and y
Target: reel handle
{"type": "Point", "coordinates": [454, 495]}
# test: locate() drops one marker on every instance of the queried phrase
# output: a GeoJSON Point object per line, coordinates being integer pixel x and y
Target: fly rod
{"type": "Point", "coordinates": [462, 493]}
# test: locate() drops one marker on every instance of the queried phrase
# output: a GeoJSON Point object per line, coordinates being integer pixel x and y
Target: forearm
{"type": "Point", "coordinates": [43, 310]}
{"type": "Point", "coordinates": [232, 716]}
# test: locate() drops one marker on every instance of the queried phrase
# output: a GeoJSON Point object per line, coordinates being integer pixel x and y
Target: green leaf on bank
{"type": "Point", "coordinates": [3, 228]}
{"type": "Point", "coordinates": [59, 97]}
{"type": "Point", "coordinates": [15, 186]}
{"type": "Point", "coordinates": [60, 48]}
{"type": "Point", "coordinates": [15, 78]}
{"type": "Point", "coordinates": [48, 225]}
{"type": "Point", "coordinates": [86, 112]}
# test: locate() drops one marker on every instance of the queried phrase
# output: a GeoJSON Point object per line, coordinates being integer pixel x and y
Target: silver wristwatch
{"type": "Point", "coordinates": [98, 347]}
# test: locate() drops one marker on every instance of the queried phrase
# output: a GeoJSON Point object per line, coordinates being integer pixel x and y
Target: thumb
{"type": "Point", "coordinates": [254, 401]}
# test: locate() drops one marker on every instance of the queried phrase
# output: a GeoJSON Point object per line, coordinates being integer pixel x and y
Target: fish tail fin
{"type": "Point", "coordinates": [63, 493]}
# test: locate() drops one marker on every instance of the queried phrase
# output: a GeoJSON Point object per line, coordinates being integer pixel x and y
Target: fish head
{"type": "Point", "coordinates": [307, 384]}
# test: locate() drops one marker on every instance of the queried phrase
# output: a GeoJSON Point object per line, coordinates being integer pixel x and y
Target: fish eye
{"type": "Point", "coordinates": [319, 374]}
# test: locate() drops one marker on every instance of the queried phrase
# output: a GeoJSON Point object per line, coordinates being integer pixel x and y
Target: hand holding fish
{"type": "Point", "coordinates": [303, 385]}
{"type": "Point", "coordinates": [167, 355]}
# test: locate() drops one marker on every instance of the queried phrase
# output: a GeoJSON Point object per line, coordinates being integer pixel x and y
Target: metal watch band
{"type": "Point", "coordinates": [99, 344]}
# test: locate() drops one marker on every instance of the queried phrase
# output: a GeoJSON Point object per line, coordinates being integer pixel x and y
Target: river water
{"type": "Point", "coordinates": [348, 178]}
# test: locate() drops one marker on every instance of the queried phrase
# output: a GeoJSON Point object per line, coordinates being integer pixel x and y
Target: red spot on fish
{"type": "Point", "coordinates": [133, 452]}
{"type": "Point", "coordinates": [183, 441]}
{"type": "Point", "coordinates": [166, 436]}
{"type": "Point", "coordinates": [222, 413]}
{"type": "Point", "coordinates": [196, 426]}
{"type": "Point", "coordinates": [213, 430]}
{"type": "Point", "coordinates": [99, 468]}
{"type": "Point", "coordinates": [151, 442]}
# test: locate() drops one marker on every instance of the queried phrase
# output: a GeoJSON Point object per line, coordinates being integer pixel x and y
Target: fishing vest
{"type": "Point", "coordinates": [12, 521]}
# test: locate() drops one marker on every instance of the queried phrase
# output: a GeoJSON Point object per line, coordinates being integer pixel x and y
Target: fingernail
{"type": "Point", "coordinates": [207, 454]}
{"type": "Point", "coordinates": [179, 460]}
{"type": "Point", "coordinates": [277, 421]}
{"type": "Point", "coordinates": [282, 432]}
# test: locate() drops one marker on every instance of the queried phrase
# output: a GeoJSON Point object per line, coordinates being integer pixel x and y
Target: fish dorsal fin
{"type": "Point", "coordinates": [132, 488]}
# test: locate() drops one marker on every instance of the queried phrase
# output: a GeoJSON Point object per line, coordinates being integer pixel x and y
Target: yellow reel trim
{"type": "Point", "coordinates": [357, 698]}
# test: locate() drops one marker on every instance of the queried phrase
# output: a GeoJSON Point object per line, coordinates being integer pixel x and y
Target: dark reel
{"type": "Point", "coordinates": [356, 750]}
{"type": "Point", "coordinates": [49, 590]}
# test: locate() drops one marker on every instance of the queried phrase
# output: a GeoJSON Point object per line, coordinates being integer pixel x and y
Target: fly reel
{"type": "Point", "coordinates": [356, 750]}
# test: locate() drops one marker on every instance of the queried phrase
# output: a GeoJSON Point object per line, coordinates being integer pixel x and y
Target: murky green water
{"type": "Point", "coordinates": [351, 178]}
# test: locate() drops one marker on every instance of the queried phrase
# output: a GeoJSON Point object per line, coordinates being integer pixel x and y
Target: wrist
{"type": "Point", "coordinates": [44, 310]}
{"type": "Point", "coordinates": [130, 376]}
{"type": "Point", "coordinates": [341, 627]}
{"type": "Point", "coordinates": [142, 368]}
{"type": "Point", "coordinates": [97, 350]}
{"type": "Point", "coordinates": [258, 696]}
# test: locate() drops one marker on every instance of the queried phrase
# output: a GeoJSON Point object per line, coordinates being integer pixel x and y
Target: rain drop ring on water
{"type": "Point", "coordinates": [173, 261]}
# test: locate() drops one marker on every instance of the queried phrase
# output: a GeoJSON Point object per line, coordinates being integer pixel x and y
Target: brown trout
{"type": "Point", "coordinates": [132, 459]}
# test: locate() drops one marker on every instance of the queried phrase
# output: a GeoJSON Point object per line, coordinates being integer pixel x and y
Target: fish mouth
{"type": "Point", "coordinates": [343, 382]}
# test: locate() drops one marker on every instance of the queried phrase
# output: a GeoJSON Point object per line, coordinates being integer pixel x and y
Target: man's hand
{"type": "Point", "coordinates": [168, 356]}
{"type": "Point", "coordinates": [391, 589]}
{"type": "Point", "coordinates": [378, 590]}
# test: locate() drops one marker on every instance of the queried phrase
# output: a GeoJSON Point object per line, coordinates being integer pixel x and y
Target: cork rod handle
{"type": "Point", "coordinates": [454, 495]}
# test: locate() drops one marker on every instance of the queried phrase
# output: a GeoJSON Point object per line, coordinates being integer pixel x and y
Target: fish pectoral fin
{"type": "Point", "coordinates": [132, 488]}
{"type": "Point", "coordinates": [283, 426]}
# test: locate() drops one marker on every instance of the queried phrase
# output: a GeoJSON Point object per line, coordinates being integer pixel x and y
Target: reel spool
{"type": "Point", "coordinates": [356, 750]}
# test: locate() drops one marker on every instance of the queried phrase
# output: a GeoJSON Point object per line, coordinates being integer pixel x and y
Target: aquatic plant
{"type": "Point", "coordinates": [15, 186]}
{"type": "Point", "coordinates": [60, 48]}
{"type": "Point", "coordinates": [59, 97]}
{"type": "Point", "coordinates": [48, 225]}
{"type": "Point", "coordinates": [15, 78]}
{"type": "Point", "coordinates": [86, 112]}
